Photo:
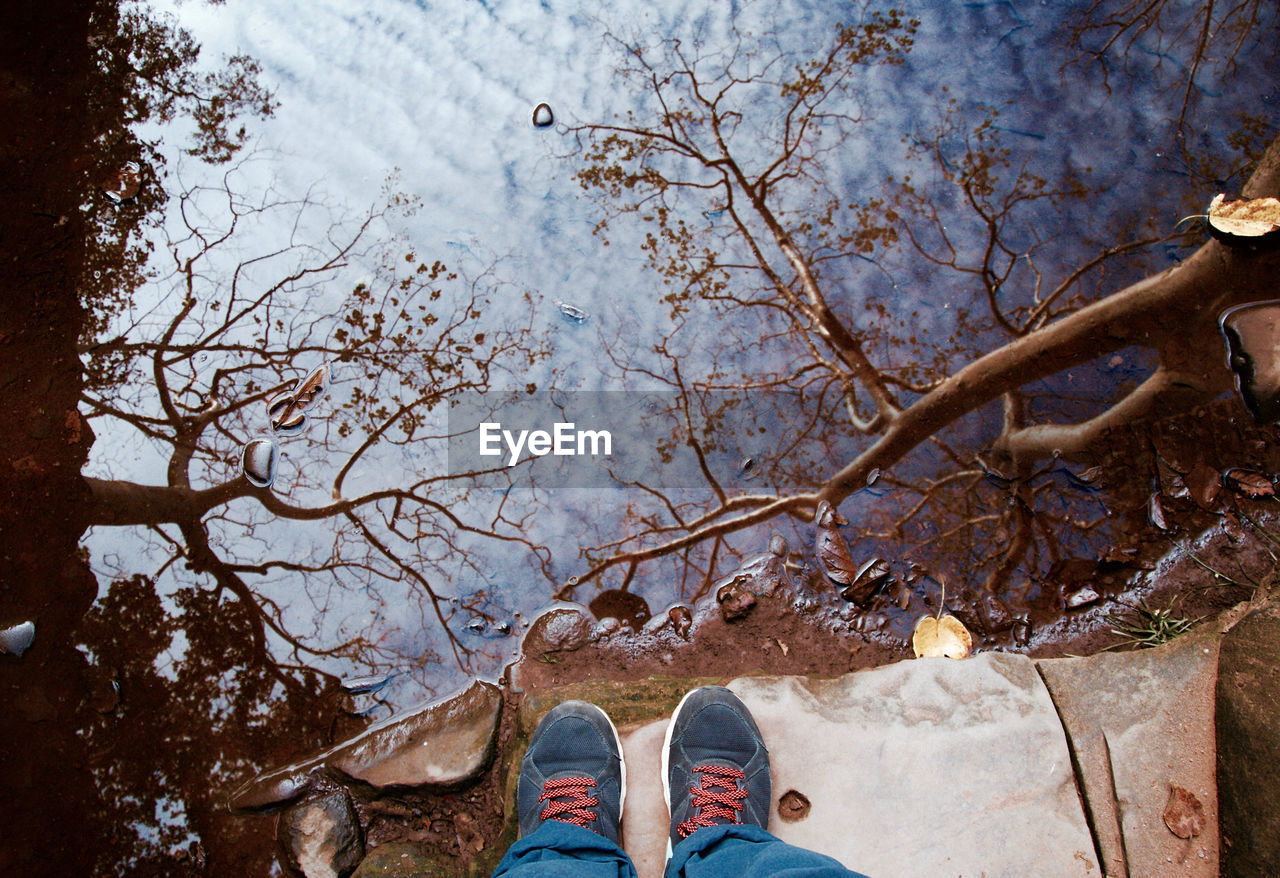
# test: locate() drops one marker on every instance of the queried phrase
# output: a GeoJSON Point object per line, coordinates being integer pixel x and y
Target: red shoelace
{"type": "Point", "coordinates": [719, 798]}
{"type": "Point", "coordinates": [574, 808]}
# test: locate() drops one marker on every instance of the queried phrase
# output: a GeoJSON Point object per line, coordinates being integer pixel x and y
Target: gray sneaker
{"type": "Point", "coordinates": [573, 772]}
{"type": "Point", "coordinates": [715, 768]}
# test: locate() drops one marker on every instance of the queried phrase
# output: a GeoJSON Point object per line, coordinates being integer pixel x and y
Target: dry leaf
{"type": "Point", "coordinates": [937, 638]}
{"type": "Point", "coordinates": [782, 646]}
{"type": "Point", "coordinates": [833, 551]}
{"type": "Point", "coordinates": [1184, 815]}
{"type": "Point", "coordinates": [1250, 484]}
{"type": "Point", "coordinates": [1244, 218]}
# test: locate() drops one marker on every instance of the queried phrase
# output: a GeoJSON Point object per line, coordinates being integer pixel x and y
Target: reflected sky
{"type": "Point", "coordinates": [430, 578]}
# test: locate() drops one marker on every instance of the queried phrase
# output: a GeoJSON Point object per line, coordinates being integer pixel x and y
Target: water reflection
{"type": "Point", "coordinates": [833, 267]}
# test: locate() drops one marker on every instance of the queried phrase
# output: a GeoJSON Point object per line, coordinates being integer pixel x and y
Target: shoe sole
{"type": "Point", "coordinates": [666, 765]}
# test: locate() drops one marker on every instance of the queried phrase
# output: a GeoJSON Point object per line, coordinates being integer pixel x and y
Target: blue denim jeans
{"type": "Point", "coordinates": [562, 849]}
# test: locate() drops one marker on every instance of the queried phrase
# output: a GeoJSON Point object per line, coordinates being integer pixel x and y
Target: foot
{"type": "Point", "coordinates": [573, 772]}
{"type": "Point", "coordinates": [715, 768]}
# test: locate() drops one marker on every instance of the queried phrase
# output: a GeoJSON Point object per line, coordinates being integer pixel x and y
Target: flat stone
{"type": "Point", "coordinates": [440, 744]}
{"type": "Point", "coordinates": [926, 767]}
{"type": "Point", "coordinates": [1248, 702]}
{"type": "Point", "coordinates": [321, 837]}
{"type": "Point", "coordinates": [1139, 723]}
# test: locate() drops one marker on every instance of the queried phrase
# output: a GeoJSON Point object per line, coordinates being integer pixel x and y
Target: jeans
{"type": "Point", "coordinates": [742, 851]}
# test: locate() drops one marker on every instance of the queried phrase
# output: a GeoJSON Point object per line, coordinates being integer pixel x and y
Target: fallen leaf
{"type": "Point", "coordinates": [1251, 484]}
{"type": "Point", "coordinates": [793, 805]}
{"type": "Point", "coordinates": [1184, 815]}
{"type": "Point", "coordinates": [782, 646]}
{"type": "Point", "coordinates": [1244, 217]}
{"type": "Point", "coordinates": [833, 551]}
{"type": "Point", "coordinates": [1155, 511]}
{"type": "Point", "coordinates": [945, 637]}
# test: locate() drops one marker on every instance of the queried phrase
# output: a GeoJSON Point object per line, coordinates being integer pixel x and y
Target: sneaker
{"type": "Point", "coordinates": [573, 772]}
{"type": "Point", "coordinates": [715, 768]}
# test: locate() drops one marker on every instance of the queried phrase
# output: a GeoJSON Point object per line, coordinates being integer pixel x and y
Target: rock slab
{"type": "Point", "coordinates": [963, 764]}
{"type": "Point", "coordinates": [440, 744]}
{"type": "Point", "coordinates": [1141, 723]}
{"type": "Point", "coordinates": [1248, 726]}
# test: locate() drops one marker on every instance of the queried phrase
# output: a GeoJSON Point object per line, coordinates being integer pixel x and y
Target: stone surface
{"type": "Point", "coordinates": [1248, 726]}
{"type": "Point", "coordinates": [1140, 722]}
{"type": "Point", "coordinates": [927, 767]}
{"type": "Point", "coordinates": [441, 744]}
{"type": "Point", "coordinates": [321, 837]}
{"type": "Point", "coordinates": [560, 630]}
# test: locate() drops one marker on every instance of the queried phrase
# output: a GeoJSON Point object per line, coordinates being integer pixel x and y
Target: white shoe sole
{"type": "Point", "coordinates": [666, 763]}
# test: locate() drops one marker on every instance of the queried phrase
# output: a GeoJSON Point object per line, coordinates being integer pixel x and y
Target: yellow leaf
{"type": "Point", "coordinates": [936, 638]}
{"type": "Point", "coordinates": [1244, 218]}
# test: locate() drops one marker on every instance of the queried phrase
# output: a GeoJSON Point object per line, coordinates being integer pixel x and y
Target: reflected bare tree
{"type": "Point", "coordinates": [232, 322]}
{"type": "Point", "coordinates": [732, 173]}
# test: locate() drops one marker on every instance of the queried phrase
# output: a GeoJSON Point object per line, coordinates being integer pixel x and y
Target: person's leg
{"type": "Point", "coordinates": [562, 849]}
{"type": "Point", "coordinates": [746, 851]}
{"type": "Point", "coordinates": [569, 799]}
{"type": "Point", "coordinates": [716, 779]}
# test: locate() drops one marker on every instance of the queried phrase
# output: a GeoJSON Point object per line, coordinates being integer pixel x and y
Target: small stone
{"type": "Point", "coordinates": [1077, 595]}
{"type": "Point", "coordinates": [563, 629]}
{"type": "Point", "coordinates": [321, 837]}
{"type": "Point", "coordinates": [735, 602]}
{"type": "Point", "coordinates": [681, 619]}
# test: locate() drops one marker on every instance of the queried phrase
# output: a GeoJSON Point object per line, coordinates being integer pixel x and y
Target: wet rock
{"type": "Point", "coordinates": [833, 551]}
{"type": "Point", "coordinates": [438, 745]}
{"type": "Point", "coordinates": [996, 616]}
{"type": "Point", "coordinates": [735, 602]}
{"type": "Point", "coordinates": [681, 620]}
{"type": "Point", "coordinates": [1073, 579]}
{"type": "Point", "coordinates": [764, 573]}
{"type": "Point", "coordinates": [624, 606]}
{"type": "Point", "coordinates": [321, 837]}
{"type": "Point", "coordinates": [563, 629]}
{"type": "Point", "coordinates": [16, 639]}
{"type": "Point", "coordinates": [1248, 740]}
{"type": "Point", "coordinates": [1078, 594]}
{"type": "Point", "coordinates": [602, 629]}
{"type": "Point", "coordinates": [1253, 336]}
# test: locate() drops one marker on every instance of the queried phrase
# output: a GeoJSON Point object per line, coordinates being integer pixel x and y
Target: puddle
{"type": "Point", "coordinates": [236, 628]}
